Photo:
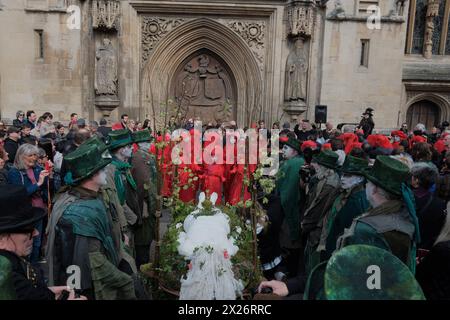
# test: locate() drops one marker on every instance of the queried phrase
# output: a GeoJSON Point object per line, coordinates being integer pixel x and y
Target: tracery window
{"type": "Point", "coordinates": [418, 23]}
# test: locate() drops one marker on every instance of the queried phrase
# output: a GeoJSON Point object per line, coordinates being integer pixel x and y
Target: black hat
{"type": "Point", "coordinates": [16, 211]}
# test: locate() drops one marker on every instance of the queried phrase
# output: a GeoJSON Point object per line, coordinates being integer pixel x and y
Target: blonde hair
{"type": "Point", "coordinates": [24, 150]}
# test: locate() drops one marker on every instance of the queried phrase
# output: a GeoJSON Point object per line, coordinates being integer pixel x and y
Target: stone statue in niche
{"type": "Point", "coordinates": [106, 69]}
{"type": "Point", "coordinates": [203, 89]}
{"type": "Point", "coordinates": [296, 73]}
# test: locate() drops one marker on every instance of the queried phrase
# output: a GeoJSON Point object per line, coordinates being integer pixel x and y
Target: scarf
{"type": "Point", "coordinates": [122, 168]}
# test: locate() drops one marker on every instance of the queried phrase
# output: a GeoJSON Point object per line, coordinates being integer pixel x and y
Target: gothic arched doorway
{"type": "Point", "coordinates": [204, 87]}
{"type": "Point", "coordinates": [425, 112]}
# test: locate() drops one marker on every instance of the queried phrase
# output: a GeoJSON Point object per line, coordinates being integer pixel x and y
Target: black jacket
{"type": "Point", "coordinates": [26, 289]}
{"type": "Point", "coordinates": [11, 147]}
{"type": "Point", "coordinates": [303, 135]}
{"type": "Point", "coordinates": [433, 272]}
{"type": "Point", "coordinates": [18, 124]}
{"type": "Point", "coordinates": [431, 214]}
{"type": "Point", "coordinates": [104, 131]}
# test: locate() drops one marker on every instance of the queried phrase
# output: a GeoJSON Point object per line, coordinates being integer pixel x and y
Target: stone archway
{"type": "Point", "coordinates": [190, 38]}
{"type": "Point", "coordinates": [425, 112]}
{"type": "Point", "coordinates": [430, 107]}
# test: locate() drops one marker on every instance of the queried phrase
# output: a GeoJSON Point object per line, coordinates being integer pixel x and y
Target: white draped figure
{"type": "Point", "coordinates": [206, 244]}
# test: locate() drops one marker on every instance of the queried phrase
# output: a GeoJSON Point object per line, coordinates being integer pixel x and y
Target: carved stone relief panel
{"type": "Point", "coordinates": [153, 30]}
{"type": "Point", "coordinates": [203, 87]}
{"type": "Point", "coordinates": [254, 33]}
{"type": "Point", "coordinates": [105, 14]}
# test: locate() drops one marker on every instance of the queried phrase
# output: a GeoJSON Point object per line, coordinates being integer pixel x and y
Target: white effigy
{"type": "Point", "coordinates": [206, 243]}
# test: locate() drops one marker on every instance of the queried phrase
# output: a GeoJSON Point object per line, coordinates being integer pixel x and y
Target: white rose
{"type": "Point", "coordinates": [178, 225]}
{"type": "Point", "coordinates": [238, 230]}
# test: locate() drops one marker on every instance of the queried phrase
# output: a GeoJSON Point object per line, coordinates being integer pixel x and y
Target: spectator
{"type": "Point", "coordinates": [327, 133]}
{"type": "Point", "coordinates": [404, 128]}
{"type": "Point", "coordinates": [3, 169]}
{"type": "Point", "coordinates": [306, 131]}
{"type": "Point", "coordinates": [430, 209]}
{"type": "Point", "coordinates": [443, 180]}
{"type": "Point", "coordinates": [47, 131]}
{"type": "Point", "coordinates": [27, 173]}
{"type": "Point", "coordinates": [20, 119]}
{"type": "Point", "coordinates": [31, 118]}
{"type": "Point", "coordinates": [103, 129]}
{"type": "Point", "coordinates": [276, 125]}
{"type": "Point", "coordinates": [12, 142]}
{"type": "Point", "coordinates": [432, 272]}
{"type": "Point", "coordinates": [131, 125]}
{"type": "Point", "coordinates": [26, 135]}
{"type": "Point", "coordinates": [73, 120]}
{"type": "Point", "coordinates": [124, 121]}
{"type": "Point", "coordinates": [17, 220]}
{"type": "Point", "coordinates": [2, 128]}
{"type": "Point", "coordinates": [81, 124]}
{"type": "Point", "coordinates": [47, 117]}
{"type": "Point", "coordinates": [139, 126]}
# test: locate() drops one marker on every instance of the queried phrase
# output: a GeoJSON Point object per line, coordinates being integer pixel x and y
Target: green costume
{"type": "Point", "coordinates": [393, 225]}
{"type": "Point", "coordinates": [350, 203]}
{"type": "Point", "coordinates": [123, 196]}
{"type": "Point", "coordinates": [288, 188]}
{"type": "Point", "coordinates": [323, 190]}
{"type": "Point", "coordinates": [362, 272]}
{"type": "Point", "coordinates": [144, 173]}
{"type": "Point", "coordinates": [80, 232]}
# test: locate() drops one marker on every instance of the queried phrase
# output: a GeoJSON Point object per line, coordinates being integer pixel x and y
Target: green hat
{"type": "Point", "coordinates": [388, 173]}
{"type": "Point", "coordinates": [353, 165]}
{"type": "Point", "coordinates": [294, 144]}
{"type": "Point", "coordinates": [85, 161]}
{"type": "Point", "coordinates": [327, 158]}
{"type": "Point", "coordinates": [362, 272]}
{"type": "Point", "coordinates": [119, 138]}
{"type": "Point", "coordinates": [96, 141]}
{"type": "Point", "coordinates": [142, 136]}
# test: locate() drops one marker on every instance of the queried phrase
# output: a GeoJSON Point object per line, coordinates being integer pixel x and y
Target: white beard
{"type": "Point", "coordinates": [347, 182]}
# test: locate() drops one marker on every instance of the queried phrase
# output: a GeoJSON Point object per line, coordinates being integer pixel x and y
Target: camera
{"type": "Point", "coordinates": [306, 173]}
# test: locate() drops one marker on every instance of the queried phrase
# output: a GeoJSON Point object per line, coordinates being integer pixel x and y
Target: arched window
{"type": "Point", "coordinates": [417, 23]}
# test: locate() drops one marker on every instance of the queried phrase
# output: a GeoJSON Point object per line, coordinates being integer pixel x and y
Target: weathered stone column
{"type": "Point", "coordinates": [432, 12]}
{"type": "Point", "coordinates": [106, 24]}
{"type": "Point", "coordinates": [301, 17]}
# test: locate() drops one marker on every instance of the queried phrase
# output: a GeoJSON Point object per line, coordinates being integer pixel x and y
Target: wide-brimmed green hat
{"type": "Point", "coordinates": [353, 165]}
{"type": "Point", "coordinates": [327, 158]}
{"type": "Point", "coordinates": [85, 161]}
{"type": "Point", "coordinates": [388, 173]}
{"type": "Point", "coordinates": [294, 144]}
{"type": "Point", "coordinates": [142, 136]}
{"type": "Point", "coordinates": [96, 141]}
{"type": "Point", "coordinates": [363, 272]}
{"type": "Point", "coordinates": [119, 138]}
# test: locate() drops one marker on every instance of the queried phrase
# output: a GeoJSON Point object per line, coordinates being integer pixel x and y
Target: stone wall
{"type": "Point", "coordinates": [27, 81]}
{"type": "Point", "coordinates": [348, 88]}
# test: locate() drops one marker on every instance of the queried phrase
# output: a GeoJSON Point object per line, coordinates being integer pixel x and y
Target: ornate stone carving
{"type": "Point", "coordinates": [432, 12]}
{"type": "Point", "coordinates": [203, 88]}
{"type": "Point", "coordinates": [338, 11]}
{"type": "Point", "coordinates": [105, 14]}
{"type": "Point", "coordinates": [254, 34]}
{"type": "Point", "coordinates": [106, 69]}
{"type": "Point", "coordinates": [153, 30]}
{"type": "Point", "coordinates": [296, 73]}
{"type": "Point", "coordinates": [301, 16]}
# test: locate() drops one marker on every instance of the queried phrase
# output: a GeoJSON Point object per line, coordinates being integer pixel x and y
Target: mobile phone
{"type": "Point", "coordinates": [48, 166]}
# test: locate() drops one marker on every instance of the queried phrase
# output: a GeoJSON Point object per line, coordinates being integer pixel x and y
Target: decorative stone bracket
{"type": "Point", "coordinates": [105, 14]}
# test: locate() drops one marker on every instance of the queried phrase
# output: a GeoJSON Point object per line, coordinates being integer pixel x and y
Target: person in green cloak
{"type": "Point", "coordinates": [322, 191]}
{"type": "Point", "coordinates": [144, 173]}
{"type": "Point", "coordinates": [80, 230]}
{"type": "Point", "coordinates": [391, 222]}
{"type": "Point", "coordinates": [350, 203]}
{"type": "Point", "coordinates": [287, 187]}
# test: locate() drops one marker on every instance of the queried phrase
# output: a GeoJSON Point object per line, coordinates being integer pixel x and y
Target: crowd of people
{"type": "Point", "coordinates": [86, 195]}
